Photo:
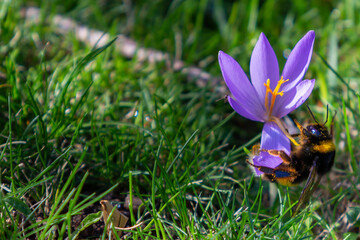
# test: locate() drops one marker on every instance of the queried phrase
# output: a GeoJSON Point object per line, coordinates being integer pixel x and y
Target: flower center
{"type": "Point", "coordinates": [274, 93]}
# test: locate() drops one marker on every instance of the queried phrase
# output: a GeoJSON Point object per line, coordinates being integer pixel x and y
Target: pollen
{"type": "Point", "coordinates": [274, 94]}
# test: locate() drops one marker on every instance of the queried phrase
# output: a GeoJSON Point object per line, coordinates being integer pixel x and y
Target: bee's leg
{"type": "Point", "coordinates": [263, 169]}
{"type": "Point", "coordinates": [279, 153]}
{"type": "Point", "coordinates": [256, 149]}
{"type": "Point", "coordinates": [284, 130]}
{"type": "Point", "coordinates": [282, 174]}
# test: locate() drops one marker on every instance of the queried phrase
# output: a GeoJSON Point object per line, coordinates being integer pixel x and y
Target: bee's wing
{"type": "Point", "coordinates": [310, 186]}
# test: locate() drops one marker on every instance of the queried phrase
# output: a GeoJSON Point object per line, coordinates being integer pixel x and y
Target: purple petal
{"type": "Point", "coordinates": [266, 159]}
{"type": "Point", "coordinates": [238, 83]}
{"type": "Point", "coordinates": [293, 98]}
{"type": "Point", "coordinates": [272, 138]}
{"type": "Point", "coordinates": [263, 66]}
{"type": "Point", "coordinates": [298, 61]}
{"type": "Point", "coordinates": [249, 113]}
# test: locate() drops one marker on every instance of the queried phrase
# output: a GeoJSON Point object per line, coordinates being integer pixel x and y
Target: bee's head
{"type": "Point", "coordinates": [315, 131]}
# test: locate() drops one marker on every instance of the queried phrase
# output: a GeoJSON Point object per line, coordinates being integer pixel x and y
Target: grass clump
{"type": "Point", "coordinates": [82, 123]}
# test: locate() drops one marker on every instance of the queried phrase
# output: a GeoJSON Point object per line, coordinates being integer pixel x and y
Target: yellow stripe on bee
{"type": "Point", "coordinates": [288, 181]}
{"type": "Point", "coordinates": [324, 147]}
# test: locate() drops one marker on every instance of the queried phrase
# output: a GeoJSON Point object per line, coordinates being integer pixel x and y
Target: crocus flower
{"type": "Point", "coordinates": [269, 96]}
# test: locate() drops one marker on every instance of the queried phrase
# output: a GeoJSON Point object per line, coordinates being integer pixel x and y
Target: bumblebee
{"type": "Point", "coordinates": [310, 160]}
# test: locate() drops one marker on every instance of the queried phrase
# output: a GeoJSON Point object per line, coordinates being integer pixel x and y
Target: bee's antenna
{"type": "Point", "coordinates": [327, 113]}
{"type": "Point", "coordinates": [335, 114]}
{"type": "Point", "coordinates": [312, 115]}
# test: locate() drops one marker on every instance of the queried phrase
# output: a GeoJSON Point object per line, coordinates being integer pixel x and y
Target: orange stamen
{"type": "Point", "coordinates": [274, 93]}
{"type": "Point", "coordinates": [269, 109]}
